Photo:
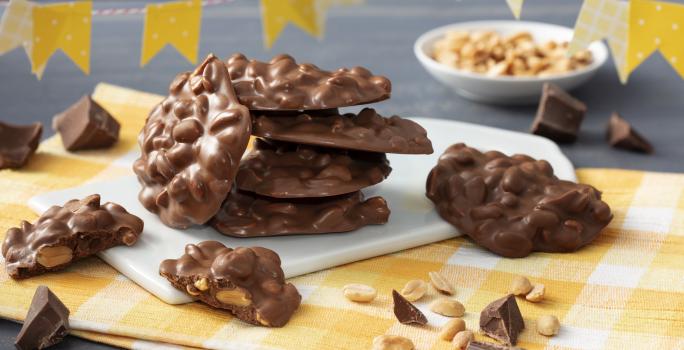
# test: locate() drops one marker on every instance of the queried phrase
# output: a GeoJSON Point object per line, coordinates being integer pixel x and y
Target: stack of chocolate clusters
{"type": "Point", "coordinates": [306, 170]}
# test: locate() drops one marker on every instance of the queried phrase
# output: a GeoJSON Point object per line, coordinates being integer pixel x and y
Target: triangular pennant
{"type": "Point", "coordinates": [276, 14]}
{"type": "Point", "coordinates": [516, 7]}
{"type": "Point", "coordinates": [16, 28]}
{"type": "Point", "coordinates": [175, 23]}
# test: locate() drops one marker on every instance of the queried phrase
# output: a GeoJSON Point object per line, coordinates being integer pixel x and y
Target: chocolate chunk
{"type": "Point", "coordinates": [18, 143]}
{"type": "Point", "coordinates": [248, 215]}
{"type": "Point", "coordinates": [405, 312]}
{"type": "Point", "coordinates": [86, 125]}
{"type": "Point", "coordinates": [191, 146]}
{"type": "Point", "coordinates": [501, 320]}
{"type": "Point", "coordinates": [283, 84]}
{"type": "Point", "coordinates": [621, 134]}
{"type": "Point", "coordinates": [288, 170]}
{"type": "Point", "coordinates": [476, 345]}
{"type": "Point", "coordinates": [559, 115]}
{"type": "Point", "coordinates": [248, 282]}
{"type": "Point", "coordinates": [366, 131]}
{"type": "Point", "coordinates": [65, 234]}
{"type": "Point", "coordinates": [46, 323]}
{"type": "Point", "coordinates": [514, 205]}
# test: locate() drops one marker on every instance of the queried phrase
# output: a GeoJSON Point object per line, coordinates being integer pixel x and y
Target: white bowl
{"type": "Point", "coordinates": [505, 89]}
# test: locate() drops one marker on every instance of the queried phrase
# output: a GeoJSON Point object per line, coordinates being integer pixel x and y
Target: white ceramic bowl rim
{"type": "Point", "coordinates": [598, 50]}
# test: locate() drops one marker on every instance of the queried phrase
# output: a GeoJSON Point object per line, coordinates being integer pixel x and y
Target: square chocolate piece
{"type": "Point", "coordinates": [559, 115]}
{"type": "Point", "coordinates": [46, 323]}
{"type": "Point", "coordinates": [501, 320]}
{"type": "Point", "coordinates": [621, 134]}
{"type": "Point", "coordinates": [86, 125]}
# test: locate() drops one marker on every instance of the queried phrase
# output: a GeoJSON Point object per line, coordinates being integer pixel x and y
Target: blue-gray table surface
{"type": "Point", "coordinates": [380, 36]}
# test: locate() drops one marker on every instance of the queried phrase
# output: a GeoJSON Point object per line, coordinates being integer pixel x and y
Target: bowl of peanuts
{"type": "Point", "coordinates": [506, 62]}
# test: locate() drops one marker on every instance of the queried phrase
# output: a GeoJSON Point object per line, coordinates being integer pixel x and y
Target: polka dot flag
{"type": "Point", "coordinates": [175, 23]}
{"type": "Point", "coordinates": [276, 14]}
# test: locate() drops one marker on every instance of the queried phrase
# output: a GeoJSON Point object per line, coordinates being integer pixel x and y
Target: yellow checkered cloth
{"type": "Point", "coordinates": [626, 289]}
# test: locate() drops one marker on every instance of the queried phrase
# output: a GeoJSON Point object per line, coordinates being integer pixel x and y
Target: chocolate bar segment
{"type": "Point", "coordinates": [288, 170]}
{"type": "Point", "coordinates": [282, 84]}
{"type": "Point", "coordinates": [476, 345]}
{"type": "Point", "coordinates": [366, 131]}
{"type": "Point", "coordinates": [514, 205]}
{"type": "Point", "coordinates": [65, 234]}
{"type": "Point", "coordinates": [248, 282]}
{"type": "Point", "coordinates": [621, 134]}
{"type": "Point", "coordinates": [245, 214]}
{"type": "Point", "coordinates": [501, 320]}
{"type": "Point", "coordinates": [18, 143]}
{"type": "Point", "coordinates": [559, 115]}
{"type": "Point", "coordinates": [191, 146]}
{"type": "Point", "coordinates": [405, 312]}
{"type": "Point", "coordinates": [86, 125]}
{"type": "Point", "coordinates": [46, 323]}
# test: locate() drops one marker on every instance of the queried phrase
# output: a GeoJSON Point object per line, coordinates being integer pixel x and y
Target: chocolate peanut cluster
{"type": "Point", "coordinates": [65, 234]}
{"type": "Point", "coordinates": [514, 205]}
{"type": "Point", "coordinates": [248, 282]}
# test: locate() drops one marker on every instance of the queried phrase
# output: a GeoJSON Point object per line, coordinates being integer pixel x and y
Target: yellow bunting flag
{"type": "Point", "coordinates": [16, 28]}
{"type": "Point", "coordinates": [64, 26]}
{"type": "Point", "coordinates": [276, 14]}
{"type": "Point", "coordinates": [516, 7]}
{"type": "Point", "coordinates": [655, 25]}
{"type": "Point", "coordinates": [175, 23]}
{"type": "Point", "coordinates": [599, 19]}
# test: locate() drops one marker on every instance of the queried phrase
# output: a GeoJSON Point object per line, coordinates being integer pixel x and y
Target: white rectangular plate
{"type": "Point", "coordinates": [413, 221]}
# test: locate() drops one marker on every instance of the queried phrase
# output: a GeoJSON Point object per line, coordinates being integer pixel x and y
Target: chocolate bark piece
{"type": "Point", "coordinates": [191, 146]}
{"type": "Point", "coordinates": [248, 282]}
{"type": "Point", "coordinates": [405, 312]}
{"type": "Point", "coordinates": [18, 143]}
{"type": "Point", "coordinates": [288, 170]}
{"type": "Point", "coordinates": [621, 134]}
{"type": "Point", "coordinates": [501, 320]}
{"type": "Point", "coordinates": [245, 214]}
{"type": "Point", "coordinates": [65, 234]}
{"type": "Point", "coordinates": [514, 205]}
{"type": "Point", "coordinates": [366, 131]}
{"type": "Point", "coordinates": [476, 345]}
{"type": "Point", "coordinates": [282, 84]}
{"type": "Point", "coordinates": [86, 125]}
{"type": "Point", "coordinates": [559, 115]}
{"type": "Point", "coordinates": [46, 323]}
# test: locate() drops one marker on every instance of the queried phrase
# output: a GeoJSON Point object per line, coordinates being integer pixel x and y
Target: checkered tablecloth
{"type": "Point", "coordinates": [623, 291]}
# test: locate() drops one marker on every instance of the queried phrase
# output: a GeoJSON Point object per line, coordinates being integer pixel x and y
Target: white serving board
{"type": "Point", "coordinates": [413, 221]}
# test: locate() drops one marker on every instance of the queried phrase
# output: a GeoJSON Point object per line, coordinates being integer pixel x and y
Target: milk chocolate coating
{"type": "Point", "coordinates": [18, 143]}
{"type": "Point", "coordinates": [621, 134]}
{"type": "Point", "coordinates": [366, 131]}
{"type": "Point", "coordinates": [86, 125]}
{"type": "Point", "coordinates": [287, 170]}
{"type": "Point", "coordinates": [210, 271]}
{"type": "Point", "coordinates": [191, 146]}
{"type": "Point", "coordinates": [502, 320]}
{"type": "Point", "coordinates": [46, 323]}
{"type": "Point", "coordinates": [514, 205]}
{"type": "Point", "coordinates": [81, 228]}
{"type": "Point", "coordinates": [248, 215]}
{"type": "Point", "coordinates": [283, 84]}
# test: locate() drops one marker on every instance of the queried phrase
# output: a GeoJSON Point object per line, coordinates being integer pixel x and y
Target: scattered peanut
{"type": "Point", "coordinates": [53, 256]}
{"type": "Point", "coordinates": [440, 283]}
{"type": "Point", "coordinates": [520, 285]}
{"type": "Point", "coordinates": [462, 339]}
{"type": "Point", "coordinates": [537, 293]}
{"type": "Point", "coordinates": [447, 307]}
{"type": "Point", "coordinates": [392, 342]}
{"type": "Point", "coordinates": [359, 293]}
{"type": "Point", "coordinates": [548, 325]}
{"type": "Point", "coordinates": [450, 329]}
{"type": "Point", "coordinates": [490, 53]}
{"type": "Point", "coordinates": [414, 290]}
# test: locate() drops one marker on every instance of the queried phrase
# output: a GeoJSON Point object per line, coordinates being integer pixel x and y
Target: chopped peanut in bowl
{"type": "Point", "coordinates": [517, 55]}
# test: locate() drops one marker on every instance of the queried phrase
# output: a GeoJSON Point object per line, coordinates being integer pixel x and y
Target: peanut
{"type": "Point", "coordinates": [462, 339]}
{"type": "Point", "coordinates": [520, 285]}
{"type": "Point", "coordinates": [392, 342]}
{"type": "Point", "coordinates": [53, 256]}
{"type": "Point", "coordinates": [447, 307]}
{"type": "Point", "coordinates": [537, 293]}
{"type": "Point", "coordinates": [548, 325]}
{"type": "Point", "coordinates": [450, 329]}
{"type": "Point", "coordinates": [202, 284]}
{"type": "Point", "coordinates": [233, 297]}
{"type": "Point", "coordinates": [414, 290]}
{"type": "Point", "coordinates": [360, 293]}
{"type": "Point", "coordinates": [440, 283]}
